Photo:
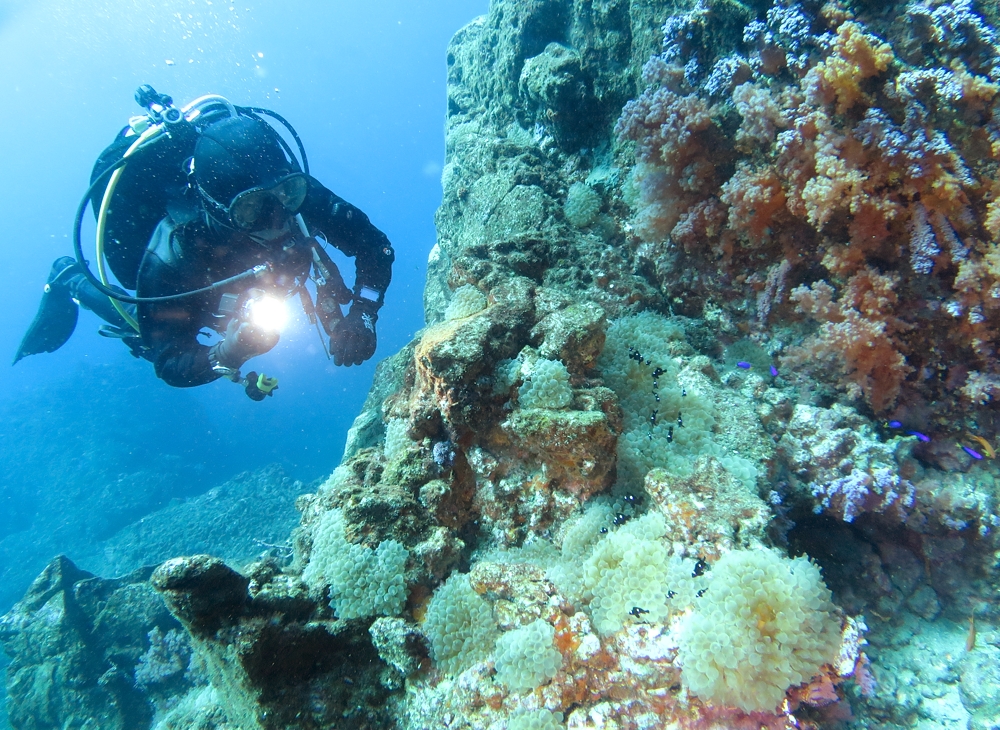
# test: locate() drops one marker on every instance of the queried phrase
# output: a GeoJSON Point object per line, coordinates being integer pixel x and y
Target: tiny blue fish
{"type": "Point", "coordinates": [895, 424]}
{"type": "Point", "coordinates": [774, 372]}
{"type": "Point", "coordinates": [743, 364]}
{"type": "Point", "coordinates": [920, 436]}
{"type": "Point", "coordinates": [973, 453]}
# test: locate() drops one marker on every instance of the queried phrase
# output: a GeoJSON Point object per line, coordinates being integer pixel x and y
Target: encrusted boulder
{"type": "Point", "coordinates": [77, 644]}
{"type": "Point", "coordinates": [711, 511]}
{"type": "Point", "coordinates": [272, 669]}
{"type": "Point", "coordinates": [203, 592]}
{"type": "Point", "coordinates": [573, 334]}
{"type": "Point", "coordinates": [556, 89]}
{"type": "Point", "coordinates": [576, 447]}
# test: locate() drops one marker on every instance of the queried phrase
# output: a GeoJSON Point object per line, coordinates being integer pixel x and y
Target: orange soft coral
{"type": "Point", "coordinates": [753, 197]}
{"type": "Point", "coordinates": [858, 331]}
{"type": "Point", "coordinates": [856, 56]}
{"type": "Point", "coordinates": [879, 171]}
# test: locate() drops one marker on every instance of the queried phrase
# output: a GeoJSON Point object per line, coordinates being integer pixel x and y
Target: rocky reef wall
{"type": "Point", "coordinates": [686, 441]}
{"type": "Point", "coordinates": [796, 381]}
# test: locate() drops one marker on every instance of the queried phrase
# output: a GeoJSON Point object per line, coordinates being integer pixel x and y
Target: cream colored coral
{"type": "Point", "coordinates": [646, 442]}
{"type": "Point", "coordinates": [546, 386]}
{"type": "Point", "coordinates": [536, 720]}
{"type": "Point", "coordinates": [460, 625]}
{"type": "Point", "coordinates": [631, 567]}
{"type": "Point", "coordinates": [579, 538]}
{"type": "Point", "coordinates": [764, 624]}
{"type": "Point", "coordinates": [582, 204]}
{"type": "Point", "coordinates": [628, 569]}
{"type": "Point", "coordinates": [396, 439]}
{"type": "Point", "coordinates": [466, 301]}
{"type": "Point", "coordinates": [363, 582]}
{"type": "Point", "coordinates": [527, 658]}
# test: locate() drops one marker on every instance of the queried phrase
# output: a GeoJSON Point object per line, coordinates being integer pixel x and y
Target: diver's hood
{"type": "Point", "coordinates": [237, 154]}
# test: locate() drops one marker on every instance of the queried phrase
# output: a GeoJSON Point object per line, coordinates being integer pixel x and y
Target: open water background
{"type": "Point", "coordinates": [364, 85]}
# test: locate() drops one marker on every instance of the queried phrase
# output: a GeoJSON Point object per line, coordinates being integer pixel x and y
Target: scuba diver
{"type": "Point", "coordinates": [208, 215]}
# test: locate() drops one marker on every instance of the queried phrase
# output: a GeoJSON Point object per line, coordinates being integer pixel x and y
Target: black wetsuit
{"type": "Point", "coordinates": [183, 256]}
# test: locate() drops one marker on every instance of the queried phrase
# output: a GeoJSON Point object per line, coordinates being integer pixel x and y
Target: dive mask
{"type": "Point", "coordinates": [247, 207]}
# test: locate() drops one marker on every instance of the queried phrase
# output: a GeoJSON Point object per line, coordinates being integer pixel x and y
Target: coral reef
{"type": "Point", "coordinates": [698, 433]}
{"type": "Point", "coordinates": [839, 165]}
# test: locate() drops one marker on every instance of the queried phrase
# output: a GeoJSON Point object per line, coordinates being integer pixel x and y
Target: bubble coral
{"type": "Point", "coordinates": [765, 623]}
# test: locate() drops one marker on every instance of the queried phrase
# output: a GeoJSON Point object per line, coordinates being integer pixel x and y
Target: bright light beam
{"type": "Point", "coordinates": [269, 313]}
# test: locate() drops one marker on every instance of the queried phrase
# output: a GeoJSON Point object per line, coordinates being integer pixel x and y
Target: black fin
{"type": "Point", "coordinates": [53, 324]}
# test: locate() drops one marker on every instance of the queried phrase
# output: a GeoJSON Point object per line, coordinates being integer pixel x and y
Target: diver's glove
{"type": "Point", "coordinates": [354, 339]}
{"type": "Point", "coordinates": [242, 341]}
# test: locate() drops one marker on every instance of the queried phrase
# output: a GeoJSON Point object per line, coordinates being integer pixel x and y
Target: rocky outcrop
{"type": "Point", "coordinates": [272, 662]}
{"type": "Point", "coordinates": [75, 641]}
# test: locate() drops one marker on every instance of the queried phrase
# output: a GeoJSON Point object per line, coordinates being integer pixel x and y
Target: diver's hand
{"type": "Point", "coordinates": [354, 339]}
{"type": "Point", "coordinates": [242, 341]}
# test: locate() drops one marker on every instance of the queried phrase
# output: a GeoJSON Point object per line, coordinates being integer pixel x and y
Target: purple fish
{"type": "Point", "coordinates": [895, 424]}
{"type": "Point", "coordinates": [920, 436]}
{"type": "Point", "coordinates": [973, 453]}
{"type": "Point", "coordinates": [774, 372]}
{"type": "Point", "coordinates": [743, 364]}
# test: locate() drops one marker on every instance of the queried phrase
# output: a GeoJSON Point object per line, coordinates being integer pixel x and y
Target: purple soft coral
{"type": "Point", "coordinates": [880, 490]}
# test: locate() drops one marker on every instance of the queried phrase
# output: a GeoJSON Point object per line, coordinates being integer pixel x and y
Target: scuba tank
{"type": "Point", "coordinates": [147, 186]}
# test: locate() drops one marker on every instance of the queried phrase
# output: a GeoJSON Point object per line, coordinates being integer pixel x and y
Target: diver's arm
{"type": "Point", "coordinates": [184, 364]}
{"type": "Point", "coordinates": [349, 229]}
{"type": "Point", "coordinates": [353, 339]}
{"type": "Point", "coordinates": [181, 361]}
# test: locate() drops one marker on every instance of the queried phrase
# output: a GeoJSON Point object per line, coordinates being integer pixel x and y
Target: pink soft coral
{"type": "Point", "coordinates": [859, 330]}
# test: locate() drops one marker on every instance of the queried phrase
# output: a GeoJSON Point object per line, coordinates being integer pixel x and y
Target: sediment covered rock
{"type": "Point", "coordinates": [76, 644]}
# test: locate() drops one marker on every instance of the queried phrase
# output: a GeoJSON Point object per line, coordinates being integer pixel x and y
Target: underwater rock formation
{"type": "Point", "coordinates": [271, 662]}
{"type": "Point", "coordinates": [570, 209]}
{"type": "Point", "coordinates": [84, 652]}
{"type": "Point", "coordinates": [606, 159]}
{"type": "Point", "coordinates": [681, 319]}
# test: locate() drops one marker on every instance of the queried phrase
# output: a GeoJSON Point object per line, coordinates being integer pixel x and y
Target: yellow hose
{"type": "Point", "coordinates": [102, 219]}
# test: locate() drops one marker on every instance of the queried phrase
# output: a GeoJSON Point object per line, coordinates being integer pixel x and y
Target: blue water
{"type": "Point", "coordinates": [363, 83]}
